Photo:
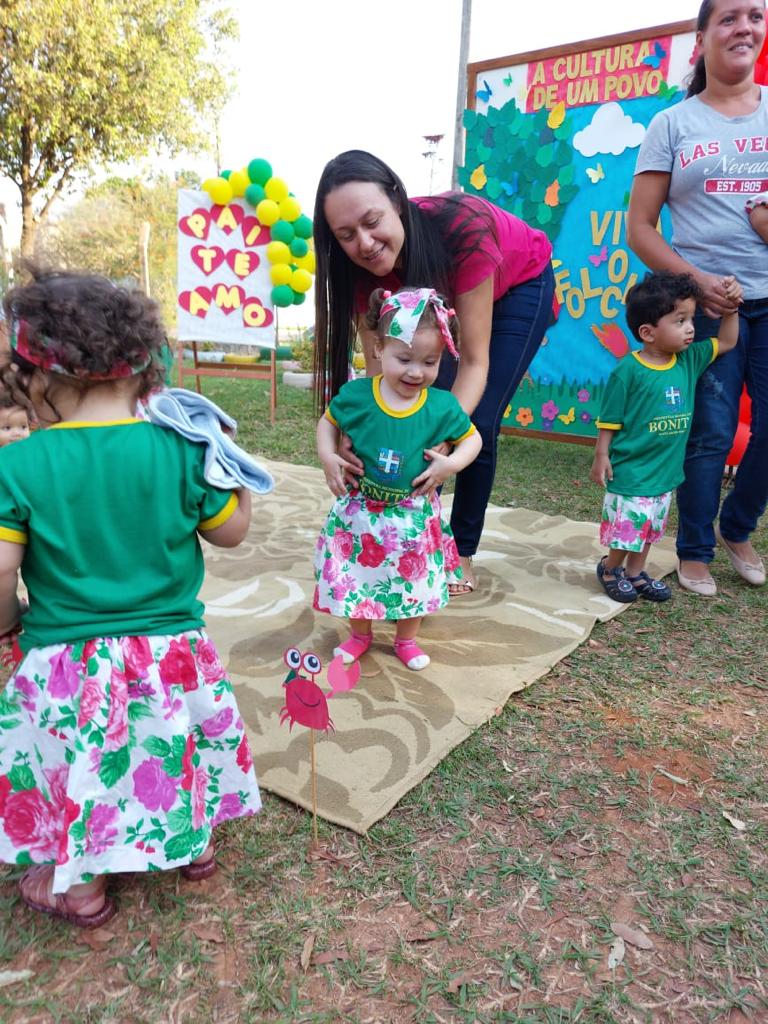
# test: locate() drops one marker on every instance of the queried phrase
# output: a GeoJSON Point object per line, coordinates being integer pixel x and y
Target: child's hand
{"type": "Point", "coordinates": [336, 469]}
{"type": "Point", "coordinates": [439, 469]}
{"type": "Point", "coordinates": [734, 293]}
{"type": "Point", "coordinates": [601, 470]}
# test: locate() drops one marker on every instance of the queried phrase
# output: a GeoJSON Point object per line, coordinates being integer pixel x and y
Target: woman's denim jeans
{"type": "Point", "coordinates": [520, 318]}
{"type": "Point", "coordinates": [715, 419]}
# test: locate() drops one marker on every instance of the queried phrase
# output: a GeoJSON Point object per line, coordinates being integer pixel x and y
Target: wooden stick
{"type": "Point", "coordinates": [313, 769]}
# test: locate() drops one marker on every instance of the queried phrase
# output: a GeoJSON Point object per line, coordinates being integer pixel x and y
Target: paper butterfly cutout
{"type": "Point", "coordinates": [595, 174]}
{"type": "Point", "coordinates": [654, 59]}
{"type": "Point", "coordinates": [568, 417]}
{"type": "Point", "coordinates": [666, 91]}
{"type": "Point", "coordinates": [485, 93]}
{"type": "Point", "coordinates": [508, 80]}
{"type": "Point", "coordinates": [597, 258]}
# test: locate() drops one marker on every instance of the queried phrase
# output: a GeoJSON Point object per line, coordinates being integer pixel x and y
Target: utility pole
{"type": "Point", "coordinates": [461, 92]}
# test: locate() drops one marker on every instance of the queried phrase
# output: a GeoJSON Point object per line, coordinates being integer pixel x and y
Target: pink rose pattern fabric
{"type": "Point", "coordinates": [120, 754]}
{"type": "Point", "coordinates": [629, 523]}
{"type": "Point", "coordinates": [379, 561]}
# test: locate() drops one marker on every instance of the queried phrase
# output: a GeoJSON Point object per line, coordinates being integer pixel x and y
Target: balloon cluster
{"type": "Point", "coordinates": [290, 249]}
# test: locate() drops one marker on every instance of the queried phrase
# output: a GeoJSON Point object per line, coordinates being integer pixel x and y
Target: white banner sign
{"type": "Point", "coordinates": [224, 285]}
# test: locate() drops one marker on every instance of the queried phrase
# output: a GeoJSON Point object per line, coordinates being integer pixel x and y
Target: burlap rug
{"type": "Point", "coordinates": [537, 599]}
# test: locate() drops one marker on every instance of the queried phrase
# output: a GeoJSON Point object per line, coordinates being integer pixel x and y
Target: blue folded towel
{"type": "Point", "coordinates": [199, 419]}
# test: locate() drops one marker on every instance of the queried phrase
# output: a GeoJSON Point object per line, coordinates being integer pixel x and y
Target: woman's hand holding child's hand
{"type": "Point", "coordinates": [720, 295]}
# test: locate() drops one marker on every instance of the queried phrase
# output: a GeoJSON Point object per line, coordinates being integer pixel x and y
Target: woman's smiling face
{"type": "Point", "coordinates": [367, 225]}
{"type": "Point", "coordinates": [733, 38]}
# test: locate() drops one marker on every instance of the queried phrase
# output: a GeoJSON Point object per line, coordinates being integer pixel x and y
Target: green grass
{"type": "Point", "coordinates": [487, 894]}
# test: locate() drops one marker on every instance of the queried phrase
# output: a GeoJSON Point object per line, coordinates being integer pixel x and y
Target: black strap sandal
{"type": "Point", "coordinates": [649, 588]}
{"type": "Point", "coordinates": [616, 586]}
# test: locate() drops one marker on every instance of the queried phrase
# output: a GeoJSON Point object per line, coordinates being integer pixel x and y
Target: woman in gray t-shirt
{"type": "Point", "coordinates": [704, 158]}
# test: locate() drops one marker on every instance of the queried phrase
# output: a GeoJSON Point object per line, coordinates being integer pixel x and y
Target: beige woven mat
{"type": "Point", "coordinates": [537, 599]}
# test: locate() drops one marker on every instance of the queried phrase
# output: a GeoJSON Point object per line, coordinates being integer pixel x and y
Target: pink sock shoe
{"type": "Point", "coordinates": [354, 648]}
{"type": "Point", "coordinates": [411, 655]}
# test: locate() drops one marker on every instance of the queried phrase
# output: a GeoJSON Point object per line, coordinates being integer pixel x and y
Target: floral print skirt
{"type": "Point", "coordinates": [120, 754]}
{"type": "Point", "coordinates": [629, 523]}
{"type": "Point", "coordinates": [375, 560]}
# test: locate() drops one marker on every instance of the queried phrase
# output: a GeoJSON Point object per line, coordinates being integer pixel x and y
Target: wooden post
{"type": "Point", "coordinates": [144, 231]}
{"type": "Point", "coordinates": [461, 92]}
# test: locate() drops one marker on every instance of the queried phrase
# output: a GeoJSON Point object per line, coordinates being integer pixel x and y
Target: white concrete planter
{"type": "Point", "coordinates": [295, 379]}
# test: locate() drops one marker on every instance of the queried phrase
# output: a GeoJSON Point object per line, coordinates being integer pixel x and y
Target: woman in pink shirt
{"type": "Point", "coordinates": [494, 268]}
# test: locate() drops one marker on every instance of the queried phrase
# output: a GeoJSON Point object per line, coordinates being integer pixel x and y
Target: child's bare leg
{"type": "Point", "coordinates": [359, 641]}
{"type": "Point", "coordinates": [636, 560]}
{"type": "Point", "coordinates": [406, 648]}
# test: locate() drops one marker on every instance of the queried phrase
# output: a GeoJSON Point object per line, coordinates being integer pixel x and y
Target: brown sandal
{"type": "Point", "coordinates": [199, 870]}
{"type": "Point", "coordinates": [35, 888]}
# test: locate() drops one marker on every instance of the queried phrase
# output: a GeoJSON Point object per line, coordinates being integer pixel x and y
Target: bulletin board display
{"type": "Point", "coordinates": [552, 136]}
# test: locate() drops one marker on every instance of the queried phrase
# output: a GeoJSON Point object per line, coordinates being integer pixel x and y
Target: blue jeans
{"type": "Point", "coordinates": [715, 418]}
{"type": "Point", "coordinates": [520, 318]}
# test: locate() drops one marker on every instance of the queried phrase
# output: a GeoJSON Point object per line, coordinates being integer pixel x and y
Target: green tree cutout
{"type": "Point", "coordinates": [87, 82]}
{"type": "Point", "coordinates": [522, 159]}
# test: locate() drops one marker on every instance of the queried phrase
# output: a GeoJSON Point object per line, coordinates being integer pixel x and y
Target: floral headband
{"type": "Point", "coordinates": [51, 358]}
{"type": "Point", "coordinates": [408, 306]}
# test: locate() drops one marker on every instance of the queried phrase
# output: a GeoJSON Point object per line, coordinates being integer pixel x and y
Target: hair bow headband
{"type": "Point", "coordinates": [51, 357]}
{"type": "Point", "coordinates": [408, 306]}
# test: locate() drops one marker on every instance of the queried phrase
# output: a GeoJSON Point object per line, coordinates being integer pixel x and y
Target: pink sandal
{"type": "Point", "coordinates": [35, 887]}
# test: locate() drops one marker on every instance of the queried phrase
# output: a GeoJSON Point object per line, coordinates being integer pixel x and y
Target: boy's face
{"type": "Point", "coordinates": [674, 331]}
{"type": "Point", "coordinates": [14, 425]}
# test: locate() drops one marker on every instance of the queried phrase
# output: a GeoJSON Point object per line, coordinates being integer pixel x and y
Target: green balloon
{"type": "Point", "coordinates": [259, 171]}
{"type": "Point", "coordinates": [225, 175]}
{"type": "Point", "coordinates": [299, 248]}
{"type": "Point", "coordinates": [298, 298]}
{"type": "Point", "coordinates": [282, 231]}
{"type": "Point", "coordinates": [282, 295]}
{"type": "Point", "coordinates": [302, 226]}
{"type": "Point", "coordinates": [254, 194]}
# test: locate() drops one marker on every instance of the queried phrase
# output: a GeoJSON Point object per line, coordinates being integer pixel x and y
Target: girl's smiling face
{"type": "Point", "coordinates": [733, 38]}
{"type": "Point", "coordinates": [367, 225]}
{"type": "Point", "coordinates": [406, 369]}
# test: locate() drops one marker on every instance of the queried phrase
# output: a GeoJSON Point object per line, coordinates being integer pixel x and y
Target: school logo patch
{"type": "Point", "coordinates": [390, 462]}
{"type": "Point", "coordinates": [673, 398]}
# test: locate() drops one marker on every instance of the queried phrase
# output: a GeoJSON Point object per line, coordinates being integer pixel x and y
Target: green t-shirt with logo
{"type": "Point", "coordinates": [650, 409]}
{"type": "Point", "coordinates": [108, 514]}
{"type": "Point", "coordinates": [391, 442]}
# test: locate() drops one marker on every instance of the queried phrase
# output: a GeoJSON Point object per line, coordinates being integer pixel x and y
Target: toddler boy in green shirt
{"type": "Point", "coordinates": [644, 422]}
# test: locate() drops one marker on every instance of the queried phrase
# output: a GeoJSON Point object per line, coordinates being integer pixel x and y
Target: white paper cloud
{"type": "Point", "coordinates": [610, 131]}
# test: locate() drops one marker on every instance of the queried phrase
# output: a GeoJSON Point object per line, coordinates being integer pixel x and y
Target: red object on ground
{"type": "Point", "coordinates": [741, 437]}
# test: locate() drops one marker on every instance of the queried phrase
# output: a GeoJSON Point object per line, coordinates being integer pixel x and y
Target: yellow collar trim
{"type": "Point", "coordinates": [656, 366]}
{"type": "Point", "coordinates": [74, 424]}
{"type": "Point", "coordinates": [397, 413]}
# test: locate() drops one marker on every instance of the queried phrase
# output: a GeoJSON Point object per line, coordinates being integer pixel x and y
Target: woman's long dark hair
{"type": "Point", "coordinates": [698, 78]}
{"type": "Point", "coordinates": [437, 238]}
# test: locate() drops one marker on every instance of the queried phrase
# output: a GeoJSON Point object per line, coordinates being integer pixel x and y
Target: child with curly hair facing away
{"type": "Point", "coordinates": [385, 551]}
{"type": "Point", "coordinates": [644, 423]}
{"type": "Point", "coordinates": [121, 745]}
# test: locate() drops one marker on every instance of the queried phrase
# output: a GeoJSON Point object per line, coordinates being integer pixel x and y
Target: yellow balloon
{"type": "Point", "coordinates": [301, 280]}
{"type": "Point", "coordinates": [220, 191]}
{"type": "Point", "coordinates": [278, 252]}
{"type": "Point", "coordinates": [239, 182]}
{"type": "Point", "coordinates": [208, 184]}
{"type": "Point", "coordinates": [280, 273]}
{"type": "Point", "coordinates": [306, 262]}
{"type": "Point", "coordinates": [276, 189]}
{"type": "Point", "coordinates": [290, 208]}
{"type": "Point", "coordinates": [268, 212]}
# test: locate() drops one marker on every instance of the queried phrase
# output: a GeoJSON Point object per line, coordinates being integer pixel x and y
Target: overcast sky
{"type": "Point", "coordinates": [316, 77]}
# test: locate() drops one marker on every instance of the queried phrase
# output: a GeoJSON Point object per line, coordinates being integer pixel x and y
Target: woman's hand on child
{"type": "Point", "coordinates": [758, 218]}
{"type": "Point", "coordinates": [734, 293]}
{"type": "Point", "coordinates": [718, 294]}
{"type": "Point", "coordinates": [353, 466]}
{"type": "Point", "coordinates": [337, 470]}
{"type": "Point", "coordinates": [601, 470]}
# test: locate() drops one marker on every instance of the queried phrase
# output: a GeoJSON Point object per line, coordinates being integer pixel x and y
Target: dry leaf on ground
{"type": "Point", "coordinates": [739, 825]}
{"type": "Point", "coordinates": [631, 935]}
{"type": "Point", "coordinates": [329, 956]}
{"type": "Point", "coordinates": [306, 951]}
{"type": "Point", "coordinates": [616, 953]}
{"type": "Point", "coordinates": [12, 977]}
{"type": "Point", "coordinates": [208, 932]}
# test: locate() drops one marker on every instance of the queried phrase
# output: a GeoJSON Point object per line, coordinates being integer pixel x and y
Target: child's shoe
{"type": "Point", "coordinates": [649, 588]}
{"type": "Point", "coordinates": [616, 586]}
{"type": "Point", "coordinates": [411, 655]}
{"type": "Point", "coordinates": [354, 648]}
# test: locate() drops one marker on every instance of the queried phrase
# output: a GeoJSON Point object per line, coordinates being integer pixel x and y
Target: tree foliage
{"type": "Point", "coordinates": [86, 82]}
{"type": "Point", "coordinates": [101, 233]}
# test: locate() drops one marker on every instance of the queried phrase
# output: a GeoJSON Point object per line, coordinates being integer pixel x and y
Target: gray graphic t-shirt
{"type": "Point", "coordinates": [716, 163]}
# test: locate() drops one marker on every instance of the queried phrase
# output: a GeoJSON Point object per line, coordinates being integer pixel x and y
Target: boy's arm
{"type": "Point", "coordinates": [728, 334]}
{"type": "Point", "coordinates": [442, 466]}
{"type": "Point", "coordinates": [11, 556]}
{"type": "Point", "coordinates": [601, 464]}
{"type": "Point", "coordinates": [235, 527]}
{"type": "Point", "coordinates": [333, 464]}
